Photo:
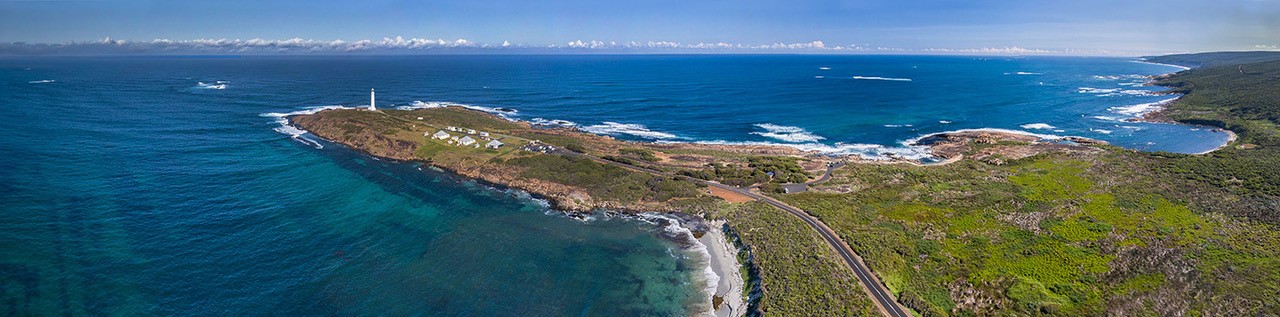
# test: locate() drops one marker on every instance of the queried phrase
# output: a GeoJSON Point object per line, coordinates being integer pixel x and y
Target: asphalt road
{"type": "Point", "coordinates": [887, 304]}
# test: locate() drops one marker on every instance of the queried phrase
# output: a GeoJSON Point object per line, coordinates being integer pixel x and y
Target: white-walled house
{"type": "Point", "coordinates": [466, 140]}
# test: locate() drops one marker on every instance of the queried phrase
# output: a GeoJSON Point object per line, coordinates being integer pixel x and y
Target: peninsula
{"type": "Point", "coordinates": [1006, 223]}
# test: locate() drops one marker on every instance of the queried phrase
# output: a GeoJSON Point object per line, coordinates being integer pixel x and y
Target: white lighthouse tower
{"type": "Point", "coordinates": [372, 103]}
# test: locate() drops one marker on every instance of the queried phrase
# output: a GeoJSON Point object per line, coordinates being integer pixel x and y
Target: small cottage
{"type": "Point", "coordinates": [466, 141]}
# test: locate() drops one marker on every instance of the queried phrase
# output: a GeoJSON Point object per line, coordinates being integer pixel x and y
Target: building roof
{"type": "Point", "coordinates": [441, 134]}
{"type": "Point", "coordinates": [466, 140]}
{"type": "Point", "coordinates": [494, 143]}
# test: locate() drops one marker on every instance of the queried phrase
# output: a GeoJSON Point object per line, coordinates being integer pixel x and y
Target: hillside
{"type": "Point", "coordinates": [1114, 232]}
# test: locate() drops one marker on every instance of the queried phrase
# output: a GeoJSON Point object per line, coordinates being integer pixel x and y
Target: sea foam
{"type": "Point", "coordinates": [221, 84]}
{"type": "Point", "coordinates": [418, 104]}
{"type": "Point", "coordinates": [1038, 126]}
{"type": "Point", "coordinates": [787, 133]}
{"type": "Point", "coordinates": [881, 78]}
{"type": "Point", "coordinates": [1141, 109]}
{"type": "Point", "coordinates": [287, 128]}
{"type": "Point", "coordinates": [43, 81]}
{"type": "Point", "coordinates": [614, 128]}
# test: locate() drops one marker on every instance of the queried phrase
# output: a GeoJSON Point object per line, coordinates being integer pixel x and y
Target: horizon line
{"type": "Point", "coordinates": [420, 46]}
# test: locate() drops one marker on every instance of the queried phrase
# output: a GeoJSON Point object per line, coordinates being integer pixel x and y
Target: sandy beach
{"type": "Point", "coordinates": [724, 262]}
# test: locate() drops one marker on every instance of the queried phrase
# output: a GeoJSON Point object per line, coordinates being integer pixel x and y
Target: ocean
{"type": "Point", "coordinates": [163, 185]}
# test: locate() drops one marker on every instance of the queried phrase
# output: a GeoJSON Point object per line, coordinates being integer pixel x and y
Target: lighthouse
{"type": "Point", "coordinates": [372, 105]}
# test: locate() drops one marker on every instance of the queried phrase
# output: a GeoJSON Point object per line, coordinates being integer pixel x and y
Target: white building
{"type": "Point", "coordinates": [495, 144]}
{"type": "Point", "coordinates": [471, 131]}
{"type": "Point", "coordinates": [451, 128]}
{"type": "Point", "coordinates": [440, 135]}
{"type": "Point", "coordinates": [484, 134]}
{"type": "Point", "coordinates": [466, 141]}
{"type": "Point", "coordinates": [372, 104]}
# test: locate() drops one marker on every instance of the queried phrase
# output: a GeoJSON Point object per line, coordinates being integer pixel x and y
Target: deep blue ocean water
{"type": "Point", "coordinates": [159, 185]}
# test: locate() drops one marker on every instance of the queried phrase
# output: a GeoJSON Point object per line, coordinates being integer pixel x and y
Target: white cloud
{"type": "Point", "coordinates": [412, 44]}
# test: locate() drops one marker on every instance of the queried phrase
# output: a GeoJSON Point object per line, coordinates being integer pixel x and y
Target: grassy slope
{"type": "Point", "coordinates": [1117, 233]}
{"type": "Point", "coordinates": [800, 274]}
{"type": "Point", "coordinates": [399, 134]}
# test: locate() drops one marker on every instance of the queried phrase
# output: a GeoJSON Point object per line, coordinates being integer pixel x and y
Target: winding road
{"type": "Point", "coordinates": [884, 301]}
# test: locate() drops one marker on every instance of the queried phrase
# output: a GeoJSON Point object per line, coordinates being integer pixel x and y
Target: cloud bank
{"type": "Point", "coordinates": [401, 45]}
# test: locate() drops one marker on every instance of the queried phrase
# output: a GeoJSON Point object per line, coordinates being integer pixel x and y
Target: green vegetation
{"type": "Point", "coordinates": [784, 170]}
{"type": "Point", "coordinates": [1050, 234]}
{"type": "Point", "coordinates": [1240, 92]}
{"type": "Point", "coordinates": [800, 274]}
{"type": "Point", "coordinates": [602, 180]}
{"type": "Point", "coordinates": [643, 154]}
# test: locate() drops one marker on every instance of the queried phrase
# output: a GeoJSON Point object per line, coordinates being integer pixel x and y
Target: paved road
{"type": "Point", "coordinates": [887, 304]}
{"type": "Point", "coordinates": [826, 176]}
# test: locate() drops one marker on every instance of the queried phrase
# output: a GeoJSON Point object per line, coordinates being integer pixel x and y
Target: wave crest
{"type": "Point", "coordinates": [614, 128]}
{"type": "Point", "coordinates": [881, 78]}
{"type": "Point", "coordinates": [787, 133]}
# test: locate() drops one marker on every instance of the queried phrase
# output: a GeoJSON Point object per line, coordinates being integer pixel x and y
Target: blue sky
{"type": "Point", "coordinates": [1081, 27]}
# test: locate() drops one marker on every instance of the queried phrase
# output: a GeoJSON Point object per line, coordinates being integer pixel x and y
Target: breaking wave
{"type": "Point", "coordinates": [418, 104]}
{"type": "Point", "coordinates": [1108, 92]}
{"type": "Point", "coordinates": [867, 151]}
{"type": "Point", "coordinates": [671, 227]}
{"type": "Point", "coordinates": [287, 128]}
{"type": "Point", "coordinates": [43, 81]}
{"type": "Point", "coordinates": [1038, 126]}
{"type": "Point", "coordinates": [1162, 64]}
{"type": "Point", "coordinates": [552, 122]}
{"type": "Point", "coordinates": [881, 78]}
{"type": "Point", "coordinates": [787, 133]}
{"type": "Point", "coordinates": [1141, 109]}
{"type": "Point", "coordinates": [221, 84]}
{"type": "Point", "coordinates": [614, 128]}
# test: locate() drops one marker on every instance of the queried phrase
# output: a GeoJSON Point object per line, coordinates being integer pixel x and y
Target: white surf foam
{"type": "Point", "coordinates": [1038, 135]}
{"type": "Point", "coordinates": [215, 85]}
{"type": "Point", "coordinates": [614, 128]}
{"type": "Point", "coordinates": [787, 133]}
{"type": "Point", "coordinates": [1163, 64]}
{"type": "Point", "coordinates": [1023, 73]}
{"type": "Point", "coordinates": [824, 68]}
{"type": "Point", "coordinates": [672, 227]}
{"type": "Point", "coordinates": [1038, 126]}
{"type": "Point", "coordinates": [1141, 109]}
{"type": "Point", "coordinates": [1108, 92]}
{"type": "Point", "coordinates": [881, 78]}
{"type": "Point", "coordinates": [944, 122]}
{"type": "Point", "coordinates": [1101, 131]}
{"type": "Point", "coordinates": [43, 81]}
{"type": "Point", "coordinates": [552, 122]}
{"type": "Point", "coordinates": [819, 77]}
{"type": "Point", "coordinates": [1119, 77]}
{"type": "Point", "coordinates": [418, 104]}
{"type": "Point", "coordinates": [897, 125]}
{"type": "Point", "coordinates": [287, 128]}
{"type": "Point", "coordinates": [867, 151]}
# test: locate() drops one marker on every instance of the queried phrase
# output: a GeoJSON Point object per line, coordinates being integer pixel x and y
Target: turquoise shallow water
{"type": "Point", "coordinates": [156, 185]}
{"type": "Point", "coordinates": [126, 191]}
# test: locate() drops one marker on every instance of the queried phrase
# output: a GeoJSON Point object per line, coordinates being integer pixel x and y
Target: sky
{"type": "Point", "coordinates": [1077, 27]}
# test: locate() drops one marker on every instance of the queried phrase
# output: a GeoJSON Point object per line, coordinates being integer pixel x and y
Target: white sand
{"type": "Point", "coordinates": [724, 262]}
